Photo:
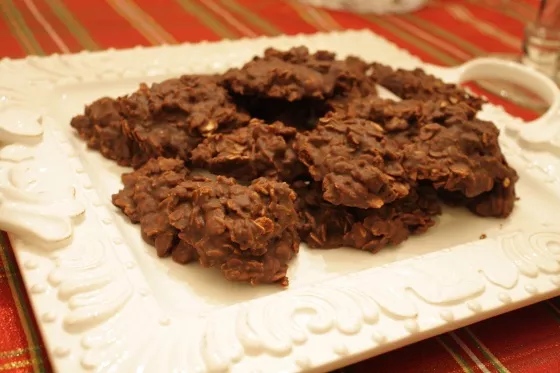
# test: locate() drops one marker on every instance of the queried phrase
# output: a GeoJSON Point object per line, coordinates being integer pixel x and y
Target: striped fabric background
{"type": "Point", "coordinates": [446, 32]}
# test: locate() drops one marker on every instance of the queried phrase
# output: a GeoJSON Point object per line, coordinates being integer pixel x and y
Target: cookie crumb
{"type": "Point", "coordinates": [483, 236]}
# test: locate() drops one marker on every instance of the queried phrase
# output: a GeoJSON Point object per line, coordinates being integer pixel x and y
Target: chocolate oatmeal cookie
{"type": "Point", "coordinates": [417, 84]}
{"type": "Point", "coordinates": [171, 118]}
{"type": "Point", "coordinates": [296, 74]}
{"type": "Point", "coordinates": [324, 225]}
{"type": "Point", "coordinates": [101, 128]}
{"type": "Point", "coordinates": [250, 152]}
{"type": "Point", "coordinates": [356, 163]}
{"type": "Point", "coordinates": [278, 79]}
{"type": "Point", "coordinates": [141, 200]}
{"type": "Point", "coordinates": [405, 117]}
{"type": "Point", "coordinates": [249, 233]}
{"type": "Point", "coordinates": [445, 144]}
{"type": "Point", "coordinates": [463, 157]}
{"type": "Point", "coordinates": [346, 72]}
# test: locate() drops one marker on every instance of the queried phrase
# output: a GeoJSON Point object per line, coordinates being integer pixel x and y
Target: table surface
{"type": "Point", "coordinates": [446, 32]}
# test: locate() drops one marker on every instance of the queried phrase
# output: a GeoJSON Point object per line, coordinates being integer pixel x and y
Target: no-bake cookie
{"type": "Point", "coordinates": [101, 128]}
{"type": "Point", "coordinates": [356, 163]}
{"type": "Point", "coordinates": [445, 144]}
{"type": "Point", "coordinates": [250, 152]}
{"type": "Point", "coordinates": [171, 118]}
{"type": "Point", "coordinates": [417, 84]}
{"type": "Point", "coordinates": [296, 74]}
{"type": "Point", "coordinates": [249, 233]}
{"type": "Point", "coordinates": [324, 225]}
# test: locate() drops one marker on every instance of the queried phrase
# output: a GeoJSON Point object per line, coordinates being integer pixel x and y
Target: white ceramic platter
{"type": "Point", "coordinates": [105, 303]}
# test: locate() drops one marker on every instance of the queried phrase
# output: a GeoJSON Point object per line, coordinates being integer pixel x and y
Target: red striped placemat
{"type": "Point", "coordinates": [446, 32]}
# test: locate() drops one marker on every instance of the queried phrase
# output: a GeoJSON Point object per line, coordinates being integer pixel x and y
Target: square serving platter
{"type": "Point", "coordinates": [105, 303]}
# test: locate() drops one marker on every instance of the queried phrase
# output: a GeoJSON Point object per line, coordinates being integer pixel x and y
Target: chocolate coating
{"type": "Point", "coordinates": [171, 118]}
{"type": "Point", "coordinates": [250, 152]}
{"type": "Point", "coordinates": [249, 233]}
{"type": "Point", "coordinates": [356, 163]}
{"type": "Point", "coordinates": [324, 225]}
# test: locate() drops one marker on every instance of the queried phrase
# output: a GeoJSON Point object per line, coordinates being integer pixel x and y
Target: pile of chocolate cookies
{"type": "Point", "coordinates": [299, 147]}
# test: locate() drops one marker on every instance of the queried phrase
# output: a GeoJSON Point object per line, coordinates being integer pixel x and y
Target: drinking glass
{"type": "Point", "coordinates": [540, 50]}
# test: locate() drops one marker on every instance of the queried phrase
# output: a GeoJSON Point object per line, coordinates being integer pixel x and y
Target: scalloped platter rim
{"type": "Point", "coordinates": [105, 303]}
